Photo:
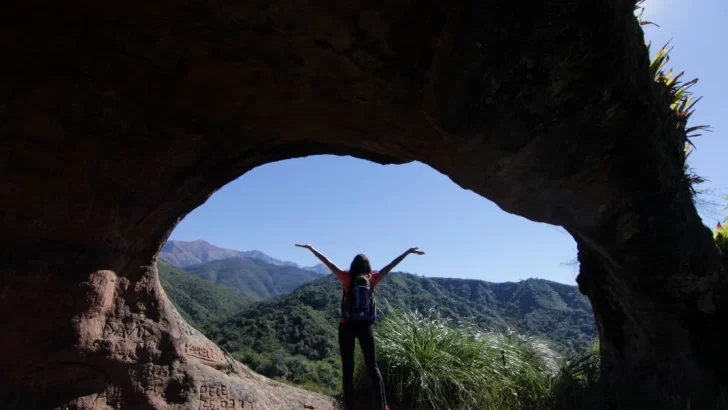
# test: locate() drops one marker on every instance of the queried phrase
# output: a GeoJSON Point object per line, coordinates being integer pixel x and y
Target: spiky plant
{"type": "Point", "coordinates": [638, 6]}
{"type": "Point", "coordinates": [679, 99]}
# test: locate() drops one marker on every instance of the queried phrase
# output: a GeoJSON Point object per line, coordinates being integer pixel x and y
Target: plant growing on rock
{"type": "Point", "coordinates": [679, 99]}
{"type": "Point", "coordinates": [721, 238]}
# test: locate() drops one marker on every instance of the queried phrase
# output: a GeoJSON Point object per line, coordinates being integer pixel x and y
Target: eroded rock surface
{"type": "Point", "coordinates": [140, 360]}
{"type": "Point", "coordinates": [119, 118]}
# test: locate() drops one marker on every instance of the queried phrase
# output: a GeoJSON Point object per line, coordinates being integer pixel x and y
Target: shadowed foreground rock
{"type": "Point", "coordinates": [119, 118]}
{"type": "Point", "coordinates": [151, 359]}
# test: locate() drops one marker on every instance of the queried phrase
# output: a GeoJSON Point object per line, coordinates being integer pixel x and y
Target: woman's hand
{"type": "Point", "coordinates": [385, 270]}
{"type": "Point", "coordinates": [334, 269]}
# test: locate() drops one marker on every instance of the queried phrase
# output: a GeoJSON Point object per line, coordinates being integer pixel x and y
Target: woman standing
{"type": "Point", "coordinates": [358, 313]}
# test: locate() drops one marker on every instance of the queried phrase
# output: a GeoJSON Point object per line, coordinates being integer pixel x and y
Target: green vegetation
{"type": "Point", "coordinates": [681, 103]}
{"type": "Point", "coordinates": [199, 301]}
{"type": "Point", "coordinates": [253, 277]}
{"type": "Point", "coordinates": [721, 238]}
{"type": "Point", "coordinates": [429, 363]}
{"type": "Point", "coordinates": [469, 351]}
{"type": "Point", "coordinates": [293, 337]}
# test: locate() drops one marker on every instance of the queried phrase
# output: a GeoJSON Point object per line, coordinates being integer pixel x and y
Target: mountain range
{"type": "Point", "coordinates": [185, 253]}
{"type": "Point", "coordinates": [253, 277]}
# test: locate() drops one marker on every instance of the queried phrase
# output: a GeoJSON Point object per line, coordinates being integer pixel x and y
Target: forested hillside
{"type": "Point", "coordinates": [293, 336]}
{"type": "Point", "coordinates": [199, 301]}
{"type": "Point", "coordinates": [253, 277]}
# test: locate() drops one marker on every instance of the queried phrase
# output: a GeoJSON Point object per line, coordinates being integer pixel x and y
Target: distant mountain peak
{"type": "Point", "coordinates": [185, 253]}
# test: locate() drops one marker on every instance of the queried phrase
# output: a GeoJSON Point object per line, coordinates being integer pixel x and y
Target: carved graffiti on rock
{"type": "Point", "coordinates": [201, 352]}
{"type": "Point", "coordinates": [216, 397]}
{"type": "Point", "coordinates": [132, 331]}
{"type": "Point", "coordinates": [155, 378]}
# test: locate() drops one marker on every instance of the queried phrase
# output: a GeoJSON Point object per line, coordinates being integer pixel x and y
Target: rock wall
{"type": "Point", "coordinates": [117, 119]}
{"type": "Point", "coordinates": [128, 348]}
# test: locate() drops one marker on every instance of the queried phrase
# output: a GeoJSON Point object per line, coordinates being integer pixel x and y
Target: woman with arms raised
{"type": "Point", "coordinates": [358, 313]}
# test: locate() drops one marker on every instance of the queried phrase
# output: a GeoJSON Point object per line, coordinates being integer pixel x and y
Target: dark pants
{"type": "Point", "coordinates": [365, 333]}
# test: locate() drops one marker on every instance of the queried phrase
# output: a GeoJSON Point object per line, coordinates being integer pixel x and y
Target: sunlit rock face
{"type": "Point", "coordinates": [118, 119]}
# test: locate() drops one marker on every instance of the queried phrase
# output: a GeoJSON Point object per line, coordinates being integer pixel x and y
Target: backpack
{"type": "Point", "coordinates": [359, 304]}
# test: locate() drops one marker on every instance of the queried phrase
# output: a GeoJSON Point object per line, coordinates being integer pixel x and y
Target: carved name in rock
{"type": "Point", "coordinates": [201, 352]}
{"type": "Point", "coordinates": [216, 397]}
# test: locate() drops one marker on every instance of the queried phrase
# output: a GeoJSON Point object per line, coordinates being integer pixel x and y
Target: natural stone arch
{"type": "Point", "coordinates": [119, 119]}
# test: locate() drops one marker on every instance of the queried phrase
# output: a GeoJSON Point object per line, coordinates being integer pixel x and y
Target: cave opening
{"type": "Point", "coordinates": [231, 259]}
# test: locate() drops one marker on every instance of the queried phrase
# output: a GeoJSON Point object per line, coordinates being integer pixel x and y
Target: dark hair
{"type": "Point", "coordinates": [360, 266]}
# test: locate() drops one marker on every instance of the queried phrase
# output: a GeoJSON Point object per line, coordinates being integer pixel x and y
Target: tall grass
{"type": "Point", "coordinates": [577, 385]}
{"type": "Point", "coordinates": [432, 363]}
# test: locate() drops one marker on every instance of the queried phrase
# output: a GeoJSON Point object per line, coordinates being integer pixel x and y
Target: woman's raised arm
{"type": "Point", "coordinates": [385, 270]}
{"type": "Point", "coordinates": [334, 269]}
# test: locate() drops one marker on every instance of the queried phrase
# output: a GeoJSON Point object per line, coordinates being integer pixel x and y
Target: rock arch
{"type": "Point", "coordinates": [118, 119]}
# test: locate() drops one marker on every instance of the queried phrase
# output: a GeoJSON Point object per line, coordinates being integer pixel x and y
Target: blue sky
{"type": "Point", "coordinates": [345, 206]}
